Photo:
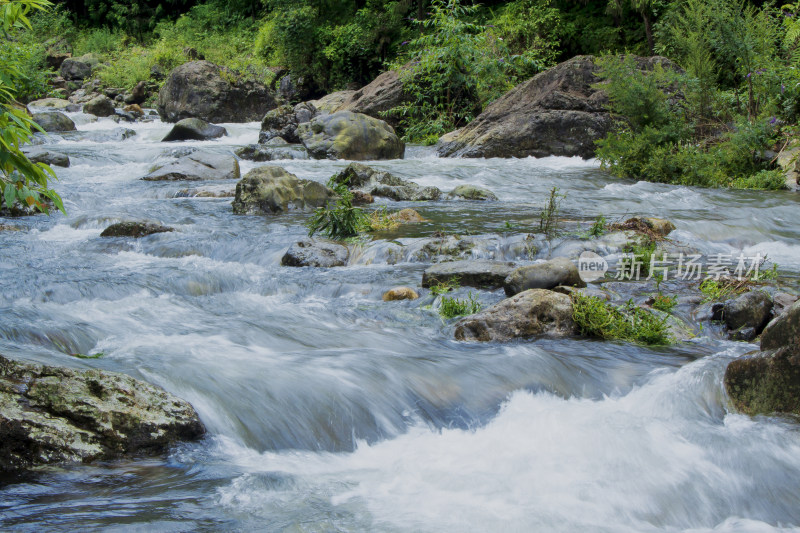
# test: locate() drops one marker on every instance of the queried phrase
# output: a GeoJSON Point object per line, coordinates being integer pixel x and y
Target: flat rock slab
{"type": "Point", "coordinates": [196, 167]}
{"type": "Point", "coordinates": [54, 415]}
{"type": "Point", "coordinates": [547, 275]}
{"type": "Point", "coordinates": [41, 155]}
{"type": "Point", "coordinates": [134, 229]}
{"type": "Point", "coordinates": [480, 274]}
{"type": "Point", "coordinates": [313, 253]}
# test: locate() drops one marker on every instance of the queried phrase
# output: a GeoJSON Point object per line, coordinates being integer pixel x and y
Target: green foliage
{"type": "Point", "coordinates": [598, 227]}
{"type": "Point", "coordinates": [722, 289]}
{"type": "Point", "coordinates": [597, 318]}
{"type": "Point", "coordinates": [27, 60]}
{"type": "Point", "coordinates": [549, 216]}
{"type": "Point", "coordinates": [443, 287]}
{"type": "Point", "coordinates": [453, 307]}
{"type": "Point", "coordinates": [340, 221]}
{"type": "Point", "coordinates": [449, 72]}
{"type": "Point", "coordinates": [664, 302]}
{"type": "Point", "coordinates": [22, 182]}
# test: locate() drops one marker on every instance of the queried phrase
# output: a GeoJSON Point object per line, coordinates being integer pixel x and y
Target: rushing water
{"type": "Point", "coordinates": [329, 410]}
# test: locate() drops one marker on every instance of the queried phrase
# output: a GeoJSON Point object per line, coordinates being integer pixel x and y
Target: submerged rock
{"type": "Point", "coordinates": [134, 229]}
{"type": "Point", "coordinates": [557, 112]}
{"type": "Point", "coordinates": [194, 129]}
{"type": "Point", "coordinates": [531, 313]}
{"type": "Point", "coordinates": [480, 274]}
{"type": "Point", "coordinates": [547, 275]}
{"type": "Point", "coordinates": [471, 192]}
{"type": "Point", "coordinates": [313, 253]}
{"type": "Point", "coordinates": [273, 190]}
{"type": "Point", "coordinates": [400, 293]}
{"type": "Point", "coordinates": [54, 121]}
{"type": "Point", "coordinates": [197, 166]}
{"type": "Point", "coordinates": [265, 152]}
{"type": "Point", "coordinates": [360, 177]}
{"type": "Point", "coordinates": [54, 415]}
{"type": "Point", "coordinates": [346, 135]}
{"type": "Point", "coordinates": [200, 89]}
{"type": "Point", "coordinates": [41, 155]}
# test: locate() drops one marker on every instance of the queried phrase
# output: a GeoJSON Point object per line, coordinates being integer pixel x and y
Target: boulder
{"type": "Point", "coordinates": [384, 93]}
{"type": "Point", "coordinates": [134, 229]}
{"type": "Point", "coordinates": [41, 155]}
{"type": "Point", "coordinates": [784, 330]}
{"type": "Point", "coordinates": [200, 89]}
{"type": "Point", "coordinates": [782, 301]}
{"type": "Point", "coordinates": [283, 121]}
{"type": "Point", "coordinates": [347, 135]}
{"type": "Point", "coordinates": [77, 68]}
{"type": "Point", "coordinates": [59, 104]}
{"type": "Point", "coordinates": [313, 253]}
{"type": "Point", "coordinates": [266, 152]}
{"type": "Point", "coordinates": [657, 227]}
{"type": "Point", "coordinates": [54, 121]}
{"type": "Point", "coordinates": [273, 190]}
{"type": "Point", "coordinates": [767, 382]}
{"type": "Point", "coordinates": [57, 415]}
{"type": "Point", "coordinates": [480, 274]}
{"type": "Point", "coordinates": [750, 310]}
{"type": "Point", "coordinates": [400, 293]}
{"type": "Point", "coordinates": [99, 106]}
{"type": "Point", "coordinates": [54, 59]}
{"type": "Point", "coordinates": [360, 177]}
{"type": "Point", "coordinates": [547, 275]}
{"type": "Point", "coordinates": [295, 88]}
{"type": "Point", "coordinates": [471, 192]}
{"type": "Point", "coordinates": [557, 112]}
{"type": "Point", "coordinates": [404, 216]}
{"type": "Point", "coordinates": [135, 110]}
{"type": "Point", "coordinates": [138, 94]}
{"type": "Point", "coordinates": [531, 313]}
{"type": "Point", "coordinates": [332, 102]}
{"type": "Point", "coordinates": [198, 166]}
{"type": "Point", "coordinates": [194, 129]}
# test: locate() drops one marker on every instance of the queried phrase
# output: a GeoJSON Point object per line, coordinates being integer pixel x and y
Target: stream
{"type": "Point", "coordinates": [330, 410]}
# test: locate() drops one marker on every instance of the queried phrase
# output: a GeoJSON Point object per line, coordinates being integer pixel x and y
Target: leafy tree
{"type": "Point", "coordinates": [20, 179]}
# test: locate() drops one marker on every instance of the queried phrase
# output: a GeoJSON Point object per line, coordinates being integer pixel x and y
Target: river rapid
{"type": "Point", "coordinates": [330, 410]}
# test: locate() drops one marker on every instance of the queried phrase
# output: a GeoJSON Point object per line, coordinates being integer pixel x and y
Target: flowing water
{"type": "Point", "coordinates": [329, 410]}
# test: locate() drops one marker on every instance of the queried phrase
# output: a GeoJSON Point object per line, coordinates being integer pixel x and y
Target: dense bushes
{"type": "Point", "coordinates": [715, 124]}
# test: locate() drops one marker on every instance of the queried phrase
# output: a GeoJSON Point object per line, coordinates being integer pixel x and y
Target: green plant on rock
{"type": "Point", "coordinates": [443, 287]}
{"type": "Point", "coordinates": [596, 318]}
{"type": "Point", "coordinates": [453, 307]}
{"type": "Point", "coordinates": [340, 221]}
{"type": "Point", "coordinates": [664, 302]}
{"type": "Point", "coordinates": [22, 181]}
{"type": "Point", "coordinates": [598, 227]}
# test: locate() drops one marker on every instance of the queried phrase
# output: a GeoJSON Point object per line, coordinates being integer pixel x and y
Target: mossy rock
{"type": "Point", "coordinates": [273, 190]}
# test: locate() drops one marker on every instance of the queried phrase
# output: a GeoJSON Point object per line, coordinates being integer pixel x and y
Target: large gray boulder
{"type": "Point", "coordinates": [197, 166]}
{"type": "Point", "coordinates": [330, 103]}
{"type": "Point", "coordinates": [200, 89]}
{"type": "Point", "coordinates": [273, 190]}
{"type": "Point", "coordinates": [56, 104]}
{"type": "Point", "coordinates": [469, 273]}
{"type": "Point", "coordinates": [99, 106]}
{"type": "Point", "coordinates": [365, 179]}
{"type": "Point", "coordinates": [347, 135]}
{"type": "Point", "coordinates": [283, 121]}
{"type": "Point", "coordinates": [314, 253]}
{"type": "Point", "coordinates": [78, 68]}
{"type": "Point", "coordinates": [376, 98]}
{"type": "Point", "coordinates": [54, 121]}
{"type": "Point", "coordinates": [194, 129]}
{"type": "Point", "coordinates": [531, 313]}
{"type": "Point", "coordinates": [548, 275]}
{"type": "Point", "coordinates": [766, 382]}
{"type": "Point", "coordinates": [557, 112]}
{"type": "Point", "coordinates": [54, 415]}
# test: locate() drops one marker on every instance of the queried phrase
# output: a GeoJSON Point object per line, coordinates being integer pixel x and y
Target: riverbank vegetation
{"type": "Point", "coordinates": [715, 116]}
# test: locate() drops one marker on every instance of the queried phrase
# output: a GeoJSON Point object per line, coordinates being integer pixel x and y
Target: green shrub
{"type": "Point", "coordinates": [596, 318]}
{"type": "Point", "coordinates": [664, 302]}
{"type": "Point", "coordinates": [453, 307]}
{"type": "Point", "coordinates": [549, 215]}
{"type": "Point", "coordinates": [340, 221]}
{"type": "Point", "coordinates": [443, 287]}
{"type": "Point", "coordinates": [100, 41]}
{"type": "Point", "coordinates": [598, 227]}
